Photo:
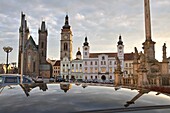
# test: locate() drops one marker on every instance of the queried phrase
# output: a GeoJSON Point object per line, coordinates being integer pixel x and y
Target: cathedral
{"type": "Point", "coordinates": [34, 55]}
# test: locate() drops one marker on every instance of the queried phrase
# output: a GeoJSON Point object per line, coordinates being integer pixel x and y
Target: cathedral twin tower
{"type": "Point", "coordinates": [35, 63]}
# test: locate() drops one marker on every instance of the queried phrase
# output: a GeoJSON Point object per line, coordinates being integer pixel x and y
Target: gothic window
{"type": "Point", "coordinates": [65, 46]}
{"type": "Point", "coordinates": [34, 67]}
{"type": "Point", "coordinates": [42, 44]}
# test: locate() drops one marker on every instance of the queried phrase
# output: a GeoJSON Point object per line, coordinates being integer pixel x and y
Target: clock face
{"type": "Point", "coordinates": [65, 37]}
{"type": "Point", "coordinates": [120, 47]}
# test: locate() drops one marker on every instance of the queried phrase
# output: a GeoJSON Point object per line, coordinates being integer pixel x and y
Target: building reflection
{"type": "Point", "coordinates": [28, 87]}
{"type": "Point", "coordinates": [65, 86]}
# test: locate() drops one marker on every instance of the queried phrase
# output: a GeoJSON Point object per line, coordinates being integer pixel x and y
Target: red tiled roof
{"type": "Point", "coordinates": [57, 63]}
{"type": "Point", "coordinates": [128, 56]}
{"type": "Point", "coordinates": [95, 55]}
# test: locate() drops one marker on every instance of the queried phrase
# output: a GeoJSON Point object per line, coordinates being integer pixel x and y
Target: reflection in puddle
{"type": "Point", "coordinates": [28, 87]}
{"type": "Point", "coordinates": [65, 86]}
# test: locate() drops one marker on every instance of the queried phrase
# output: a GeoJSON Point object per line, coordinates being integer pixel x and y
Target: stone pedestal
{"type": "Point", "coordinates": [142, 77]}
{"type": "Point", "coordinates": [117, 76]}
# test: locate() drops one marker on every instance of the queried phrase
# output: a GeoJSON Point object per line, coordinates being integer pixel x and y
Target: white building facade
{"type": "Point", "coordinates": [101, 66]}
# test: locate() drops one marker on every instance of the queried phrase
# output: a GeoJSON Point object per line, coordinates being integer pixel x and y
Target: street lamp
{"type": "Point", "coordinates": [7, 50]}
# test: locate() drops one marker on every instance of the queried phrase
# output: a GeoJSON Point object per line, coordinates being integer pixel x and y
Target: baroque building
{"type": "Point", "coordinates": [34, 56]}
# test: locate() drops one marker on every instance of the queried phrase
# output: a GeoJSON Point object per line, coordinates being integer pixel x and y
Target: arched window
{"type": "Point", "coordinates": [42, 44]}
{"type": "Point", "coordinates": [65, 46]}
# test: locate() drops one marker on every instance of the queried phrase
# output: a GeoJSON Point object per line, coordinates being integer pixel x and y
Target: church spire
{"type": "Point", "coordinates": [120, 42]}
{"type": "Point", "coordinates": [66, 26]}
{"type": "Point", "coordinates": [43, 27]}
{"type": "Point", "coordinates": [86, 43]}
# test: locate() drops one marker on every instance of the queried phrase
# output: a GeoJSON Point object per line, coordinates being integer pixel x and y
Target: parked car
{"type": "Point", "coordinates": [51, 80]}
{"type": "Point", "coordinates": [13, 79]}
{"type": "Point", "coordinates": [59, 79]}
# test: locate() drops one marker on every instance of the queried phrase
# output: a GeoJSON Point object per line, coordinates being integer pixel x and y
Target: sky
{"type": "Point", "coordinates": [102, 21]}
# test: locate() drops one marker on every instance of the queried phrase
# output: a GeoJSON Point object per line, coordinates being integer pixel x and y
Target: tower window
{"type": "Point", "coordinates": [65, 46]}
{"type": "Point", "coordinates": [85, 53]}
{"type": "Point", "coordinates": [42, 53]}
{"type": "Point", "coordinates": [42, 44]}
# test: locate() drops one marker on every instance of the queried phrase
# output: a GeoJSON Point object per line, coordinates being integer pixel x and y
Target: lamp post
{"type": "Point", "coordinates": [7, 50]}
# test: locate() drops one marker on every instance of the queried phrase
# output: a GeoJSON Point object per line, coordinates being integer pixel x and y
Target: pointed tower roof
{"type": "Point", "coordinates": [66, 26]}
{"type": "Point", "coordinates": [78, 52]}
{"type": "Point", "coordinates": [120, 42]}
{"type": "Point", "coordinates": [43, 27]}
{"type": "Point", "coordinates": [23, 23]}
{"type": "Point", "coordinates": [86, 43]}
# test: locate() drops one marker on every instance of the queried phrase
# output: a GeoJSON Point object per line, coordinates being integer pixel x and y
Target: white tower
{"type": "Point", "coordinates": [86, 49]}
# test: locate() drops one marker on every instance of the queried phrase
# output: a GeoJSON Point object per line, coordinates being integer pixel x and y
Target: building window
{"type": "Point", "coordinates": [72, 65]}
{"type": "Point", "coordinates": [91, 77]}
{"type": "Point", "coordinates": [65, 46]}
{"type": "Point", "coordinates": [42, 44]}
{"type": "Point", "coordinates": [126, 64]}
{"type": "Point", "coordinates": [95, 62]}
{"type": "Point", "coordinates": [34, 66]}
{"type": "Point", "coordinates": [104, 62]}
{"type": "Point", "coordinates": [103, 58]}
{"type": "Point", "coordinates": [85, 69]}
{"type": "Point", "coordinates": [95, 77]}
{"type": "Point", "coordinates": [110, 62]}
{"type": "Point", "coordinates": [85, 63]}
{"type": "Point", "coordinates": [103, 70]}
{"type": "Point", "coordinates": [110, 70]}
{"type": "Point", "coordinates": [85, 53]}
{"type": "Point", "coordinates": [96, 70]}
{"type": "Point", "coordinates": [129, 64]}
{"type": "Point", "coordinates": [80, 69]}
{"type": "Point", "coordinates": [101, 62]}
{"type": "Point", "coordinates": [91, 63]}
{"type": "Point", "coordinates": [72, 70]}
{"type": "Point", "coordinates": [63, 65]}
{"type": "Point", "coordinates": [80, 65]}
{"type": "Point", "coordinates": [110, 77]}
{"type": "Point", "coordinates": [91, 70]}
{"type": "Point", "coordinates": [85, 77]}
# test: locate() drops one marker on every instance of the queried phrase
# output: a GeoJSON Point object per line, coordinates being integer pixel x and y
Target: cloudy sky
{"type": "Point", "coordinates": [102, 21]}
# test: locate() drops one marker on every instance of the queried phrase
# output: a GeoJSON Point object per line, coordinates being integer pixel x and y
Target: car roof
{"type": "Point", "coordinates": [76, 99]}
